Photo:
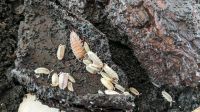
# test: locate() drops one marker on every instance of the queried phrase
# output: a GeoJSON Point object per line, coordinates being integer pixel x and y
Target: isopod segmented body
{"type": "Point", "coordinates": [54, 79]}
{"type": "Point", "coordinates": [92, 69]}
{"type": "Point", "coordinates": [108, 84]}
{"type": "Point", "coordinates": [77, 45]}
{"type": "Point", "coordinates": [42, 70]}
{"type": "Point", "coordinates": [111, 92]}
{"type": "Point", "coordinates": [70, 86]}
{"type": "Point", "coordinates": [134, 91]}
{"type": "Point", "coordinates": [168, 97]}
{"type": "Point", "coordinates": [61, 51]}
{"type": "Point", "coordinates": [95, 59]}
{"type": "Point", "coordinates": [63, 80]}
{"type": "Point", "coordinates": [111, 73]}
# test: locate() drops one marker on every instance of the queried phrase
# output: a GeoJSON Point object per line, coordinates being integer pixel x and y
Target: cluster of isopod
{"type": "Point", "coordinates": [62, 79]}
{"type": "Point", "coordinates": [94, 65]}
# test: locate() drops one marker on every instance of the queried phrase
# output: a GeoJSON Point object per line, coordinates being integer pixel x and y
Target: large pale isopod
{"type": "Point", "coordinates": [95, 59]}
{"type": "Point", "coordinates": [77, 45]}
{"type": "Point", "coordinates": [112, 74]}
{"type": "Point", "coordinates": [92, 69]}
{"type": "Point", "coordinates": [61, 51]}
{"type": "Point", "coordinates": [111, 92]}
{"type": "Point", "coordinates": [63, 80]}
{"type": "Point", "coordinates": [42, 70]}
{"type": "Point", "coordinates": [107, 84]}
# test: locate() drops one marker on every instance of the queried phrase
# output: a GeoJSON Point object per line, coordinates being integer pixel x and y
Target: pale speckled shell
{"type": "Point", "coordinates": [119, 87]}
{"type": "Point", "coordinates": [63, 80]}
{"type": "Point", "coordinates": [54, 79]}
{"type": "Point", "coordinates": [77, 45]}
{"type": "Point", "coordinates": [70, 86]}
{"type": "Point", "coordinates": [86, 46]}
{"type": "Point", "coordinates": [107, 84]}
{"type": "Point", "coordinates": [92, 69]}
{"type": "Point", "coordinates": [42, 70]}
{"type": "Point", "coordinates": [61, 52]}
{"type": "Point", "coordinates": [111, 73]}
{"type": "Point", "coordinates": [111, 92]}
{"type": "Point", "coordinates": [95, 59]}
{"type": "Point", "coordinates": [134, 91]}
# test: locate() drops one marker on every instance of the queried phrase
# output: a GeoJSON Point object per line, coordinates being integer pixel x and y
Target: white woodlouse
{"type": "Point", "coordinates": [70, 86]}
{"type": "Point", "coordinates": [92, 69]}
{"type": "Point", "coordinates": [63, 80]}
{"type": "Point", "coordinates": [61, 52]}
{"type": "Point", "coordinates": [168, 97]}
{"type": "Point", "coordinates": [107, 84]}
{"type": "Point", "coordinates": [104, 75]}
{"type": "Point", "coordinates": [71, 78]}
{"type": "Point", "coordinates": [112, 74]}
{"type": "Point", "coordinates": [134, 91]}
{"type": "Point", "coordinates": [95, 59]}
{"type": "Point", "coordinates": [42, 70]}
{"type": "Point", "coordinates": [54, 79]}
{"type": "Point", "coordinates": [87, 61]}
{"type": "Point", "coordinates": [86, 46]}
{"type": "Point", "coordinates": [119, 87]}
{"type": "Point", "coordinates": [77, 45]}
{"type": "Point", "coordinates": [111, 92]}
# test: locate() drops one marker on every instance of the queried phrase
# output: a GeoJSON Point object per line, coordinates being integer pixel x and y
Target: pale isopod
{"type": "Point", "coordinates": [95, 59]}
{"type": "Point", "coordinates": [112, 74]}
{"type": "Point", "coordinates": [54, 79]}
{"type": "Point", "coordinates": [86, 46]}
{"type": "Point", "coordinates": [107, 84]}
{"type": "Point", "coordinates": [71, 78]}
{"type": "Point", "coordinates": [126, 93]}
{"type": "Point", "coordinates": [104, 75]}
{"type": "Point", "coordinates": [63, 80]}
{"type": "Point", "coordinates": [92, 69]}
{"type": "Point", "coordinates": [61, 51]}
{"type": "Point", "coordinates": [111, 92]}
{"type": "Point", "coordinates": [87, 61]}
{"type": "Point", "coordinates": [70, 86]}
{"type": "Point", "coordinates": [134, 91]}
{"type": "Point", "coordinates": [42, 70]}
{"type": "Point", "coordinates": [77, 45]}
{"type": "Point", "coordinates": [168, 97]}
{"type": "Point", "coordinates": [119, 87]}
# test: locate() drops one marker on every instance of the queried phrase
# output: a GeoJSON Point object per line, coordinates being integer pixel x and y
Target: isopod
{"type": "Point", "coordinates": [54, 79]}
{"type": "Point", "coordinates": [92, 69]}
{"type": "Point", "coordinates": [111, 92]}
{"type": "Point", "coordinates": [63, 80]}
{"type": "Point", "coordinates": [70, 86]}
{"type": "Point", "coordinates": [61, 51]}
{"type": "Point", "coordinates": [42, 70]}
{"type": "Point", "coordinates": [112, 74]}
{"type": "Point", "coordinates": [71, 78]}
{"type": "Point", "coordinates": [134, 91]}
{"type": "Point", "coordinates": [86, 46]}
{"type": "Point", "coordinates": [77, 45]}
{"type": "Point", "coordinates": [119, 87]}
{"type": "Point", "coordinates": [104, 75]}
{"type": "Point", "coordinates": [168, 97]}
{"type": "Point", "coordinates": [95, 59]}
{"type": "Point", "coordinates": [87, 61]}
{"type": "Point", "coordinates": [107, 84]}
{"type": "Point", "coordinates": [197, 109]}
{"type": "Point", "coordinates": [126, 93]}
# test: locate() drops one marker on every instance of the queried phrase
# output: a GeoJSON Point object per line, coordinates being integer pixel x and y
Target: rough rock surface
{"type": "Point", "coordinates": [45, 27]}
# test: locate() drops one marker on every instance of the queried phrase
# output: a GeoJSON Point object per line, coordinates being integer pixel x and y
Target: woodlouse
{"type": "Point", "coordinates": [111, 92]}
{"type": "Point", "coordinates": [61, 52]}
{"type": "Point", "coordinates": [42, 70]}
{"type": "Point", "coordinates": [111, 73]}
{"type": "Point", "coordinates": [77, 45]}
{"type": "Point", "coordinates": [95, 59]}
{"type": "Point", "coordinates": [134, 91]}
{"type": "Point", "coordinates": [107, 84]}
{"type": "Point", "coordinates": [54, 79]}
{"type": "Point", "coordinates": [63, 80]}
{"type": "Point", "coordinates": [168, 97]}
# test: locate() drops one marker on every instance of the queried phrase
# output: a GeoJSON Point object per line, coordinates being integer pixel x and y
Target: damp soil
{"type": "Point", "coordinates": [11, 91]}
